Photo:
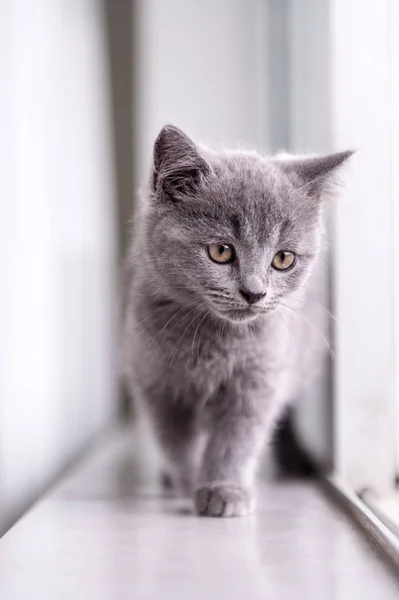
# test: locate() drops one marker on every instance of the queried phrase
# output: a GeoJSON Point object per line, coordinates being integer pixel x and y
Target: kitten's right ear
{"type": "Point", "coordinates": [178, 164]}
{"type": "Point", "coordinates": [313, 174]}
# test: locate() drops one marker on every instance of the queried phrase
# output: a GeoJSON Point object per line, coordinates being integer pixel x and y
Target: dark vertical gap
{"type": "Point", "coordinates": [119, 19]}
{"type": "Point", "coordinates": [119, 30]}
{"type": "Point", "coordinates": [289, 448]}
{"type": "Point", "coordinates": [289, 456]}
{"type": "Point", "coordinates": [330, 279]}
{"type": "Point", "coordinates": [326, 424]}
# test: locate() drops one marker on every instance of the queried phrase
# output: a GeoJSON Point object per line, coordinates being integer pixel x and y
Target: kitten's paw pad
{"type": "Point", "coordinates": [223, 500]}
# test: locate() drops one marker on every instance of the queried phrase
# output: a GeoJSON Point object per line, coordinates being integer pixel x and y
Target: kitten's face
{"type": "Point", "coordinates": [234, 233]}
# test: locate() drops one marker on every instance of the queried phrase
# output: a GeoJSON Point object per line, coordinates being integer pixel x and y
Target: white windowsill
{"type": "Point", "coordinates": [378, 517]}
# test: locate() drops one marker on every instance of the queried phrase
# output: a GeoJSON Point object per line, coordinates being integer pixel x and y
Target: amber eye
{"type": "Point", "coordinates": [283, 260]}
{"type": "Point", "coordinates": [221, 253]}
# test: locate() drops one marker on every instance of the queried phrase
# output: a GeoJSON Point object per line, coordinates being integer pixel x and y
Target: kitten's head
{"type": "Point", "coordinates": [234, 232]}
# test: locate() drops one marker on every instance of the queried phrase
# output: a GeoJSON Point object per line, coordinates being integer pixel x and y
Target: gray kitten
{"type": "Point", "coordinates": [213, 338]}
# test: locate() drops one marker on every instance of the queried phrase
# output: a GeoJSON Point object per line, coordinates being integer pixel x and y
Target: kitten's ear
{"type": "Point", "coordinates": [178, 164]}
{"type": "Point", "coordinates": [313, 173]}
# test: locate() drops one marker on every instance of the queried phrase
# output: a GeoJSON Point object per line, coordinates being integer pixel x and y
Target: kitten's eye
{"type": "Point", "coordinates": [283, 260]}
{"type": "Point", "coordinates": [221, 253]}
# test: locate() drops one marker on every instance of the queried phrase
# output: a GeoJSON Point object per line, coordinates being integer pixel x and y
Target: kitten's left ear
{"type": "Point", "coordinates": [313, 173]}
{"type": "Point", "coordinates": [178, 164]}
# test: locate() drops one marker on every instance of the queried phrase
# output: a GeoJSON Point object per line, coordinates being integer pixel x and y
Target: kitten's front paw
{"type": "Point", "coordinates": [223, 499]}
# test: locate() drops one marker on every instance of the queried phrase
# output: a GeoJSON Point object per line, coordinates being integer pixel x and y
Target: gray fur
{"type": "Point", "coordinates": [212, 373]}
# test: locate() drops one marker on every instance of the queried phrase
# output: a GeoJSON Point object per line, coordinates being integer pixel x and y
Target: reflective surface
{"type": "Point", "coordinates": [104, 533]}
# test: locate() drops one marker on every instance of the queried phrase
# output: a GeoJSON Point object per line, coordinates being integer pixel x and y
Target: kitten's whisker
{"type": "Point", "coordinates": [148, 317]}
{"type": "Point", "coordinates": [285, 328]}
{"type": "Point", "coordinates": [166, 324]}
{"type": "Point", "coordinates": [215, 295]}
{"type": "Point", "coordinates": [175, 324]}
{"type": "Point", "coordinates": [316, 305]}
{"type": "Point", "coordinates": [327, 343]}
{"type": "Point", "coordinates": [174, 351]}
{"type": "Point", "coordinates": [191, 355]}
{"type": "Point", "coordinates": [221, 332]}
{"type": "Point", "coordinates": [219, 290]}
{"type": "Point", "coordinates": [202, 321]}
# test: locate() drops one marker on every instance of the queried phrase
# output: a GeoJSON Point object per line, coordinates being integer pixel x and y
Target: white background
{"type": "Point", "coordinates": [201, 66]}
{"type": "Point", "coordinates": [57, 325]}
{"type": "Point", "coordinates": [363, 117]}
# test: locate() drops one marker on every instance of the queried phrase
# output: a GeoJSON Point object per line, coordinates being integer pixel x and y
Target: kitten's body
{"type": "Point", "coordinates": [212, 372]}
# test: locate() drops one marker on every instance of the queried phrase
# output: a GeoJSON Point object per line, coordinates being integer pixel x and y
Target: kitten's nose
{"type": "Point", "coordinates": [251, 297]}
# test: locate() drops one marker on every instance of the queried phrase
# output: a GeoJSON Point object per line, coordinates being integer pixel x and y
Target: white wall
{"type": "Point", "coordinates": [394, 92]}
{"type": "Point", "coordinates": [343, 74]}
{"type": "Point", "coordinates": [57, 232]}
{"type": "Point", "coordinates": [201, 66]}
{"type": "Point", "coordinates": [362, 73]}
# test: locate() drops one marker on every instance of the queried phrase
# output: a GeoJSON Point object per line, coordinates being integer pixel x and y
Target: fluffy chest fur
{"type": "Point", "coordinates": [187, 350]}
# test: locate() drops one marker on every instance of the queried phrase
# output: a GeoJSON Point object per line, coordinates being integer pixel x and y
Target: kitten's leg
{"type": "Point", "coordinates": [239, 428]}
{"type": "Point", "coordinates": [181, 442]}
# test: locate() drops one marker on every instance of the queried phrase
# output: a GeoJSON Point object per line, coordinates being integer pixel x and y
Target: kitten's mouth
{"type": "Point", "coordinates": [242, 315]}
